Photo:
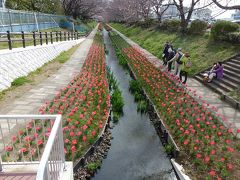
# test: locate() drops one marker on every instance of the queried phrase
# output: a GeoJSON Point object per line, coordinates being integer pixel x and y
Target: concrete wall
{"type": "Point", "coordinates": [21, 61]}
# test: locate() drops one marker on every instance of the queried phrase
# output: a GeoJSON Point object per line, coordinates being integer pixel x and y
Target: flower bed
{"type": "Point", "coordinates": [208, 149]}
{"type": "Point", "coordinates": [84, 104]}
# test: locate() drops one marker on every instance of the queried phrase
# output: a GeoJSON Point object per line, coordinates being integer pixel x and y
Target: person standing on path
{"type": "Point", "coordinates": [171, 55]}
{"type": "Point", "coordinates": [177, 60]}
{"type": "Point", "coordinates": [165, 53]}
{"type": "Point", "coordinates": [185, 67]}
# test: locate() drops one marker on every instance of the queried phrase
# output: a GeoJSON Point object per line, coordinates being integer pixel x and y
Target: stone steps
{"type": "Point", "coordinates": [231, 79]}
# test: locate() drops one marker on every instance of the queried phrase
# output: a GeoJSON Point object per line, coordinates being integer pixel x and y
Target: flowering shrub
{"type": "Point", "coordinates": [211, 148]}
{"type": "Point", "coordinates": [84, 104]}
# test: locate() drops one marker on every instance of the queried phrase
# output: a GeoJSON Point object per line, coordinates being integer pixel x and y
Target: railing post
{"type": "Point", "coordinates": [60, 35]}
{"type": "Point", "coordinates": [0, 164]}
{"type": "Point", "coordinates": [65, 36]}
{"type": "Point", "coordinates": [46, 36]}
{"type": "Point", "coordinates": [34, 38]}
{"type": "Point", "coordinates": [23, 40]}
{"type": "Point", "coordinates": [40, 37]}
{"type": "Point", "coordinates": [9, 40]}
{"type": "Point", "coordinates": [72, 35]}
{"type": "Point", "coordinates": [68, 36]}
{"type": "Point", "coordinates": [56, 36]}
{"type": "Point", "coordinates": [51, 37]}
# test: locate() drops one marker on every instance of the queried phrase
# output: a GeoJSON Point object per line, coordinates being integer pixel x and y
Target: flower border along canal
{"type": "Point", "coordinates": [208, 149]}
{"type": "Point", "coordinates": [84, 104]}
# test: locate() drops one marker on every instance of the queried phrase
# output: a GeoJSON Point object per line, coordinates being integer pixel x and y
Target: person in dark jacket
{"type": "Point", "coordinates": [171, 55]}
{"type": "Point", "coordinates": [166, 53]}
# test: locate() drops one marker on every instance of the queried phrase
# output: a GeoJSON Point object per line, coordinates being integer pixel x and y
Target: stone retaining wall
{"type": "Point", "coordinates": [21, 61]}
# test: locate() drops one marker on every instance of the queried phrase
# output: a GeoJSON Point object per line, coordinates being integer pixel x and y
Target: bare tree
{"type": "Point", "coordinates": [227, 7]}
{"type": "Point", "coordinates": [159, 8]}
{"type": "Point", "coordinates": [144, 8]}
{"type": "Point", "coordinates": [185, 14]}
{"type": "Point", "coordinates": [83, 9]}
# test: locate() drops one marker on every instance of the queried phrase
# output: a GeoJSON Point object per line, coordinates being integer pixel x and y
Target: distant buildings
{"type": "Point", "coordinates": [236, 15]}
{"type": "Point", "coordinates": [2, 3]}
{"type": "Point", "coordinates": [202, 14]}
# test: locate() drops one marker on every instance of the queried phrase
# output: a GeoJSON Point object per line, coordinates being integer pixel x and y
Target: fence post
{"type": "Point", "coordinates": [40, 37]}
{"type": "Point", "coordinates": [68, 35]}
{"type": "Point", "coordinates": [34, 38]}
{"type": "Point", "coordinates": [46, 36]}
{"type": "Point", "coordinates": [51, 37]}
{"type": "Point", "coordinates": [9, 40]}
{"type": "Point", "coordinates": [65, 36]}
{"type": "Point", "coordinates": [23, 40]}
{"type": "Point", "coordinates": [56, 36]}
{"type": "Point", "coordinates": [60, 35]}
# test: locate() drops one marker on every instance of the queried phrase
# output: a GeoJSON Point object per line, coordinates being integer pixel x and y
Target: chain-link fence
{"type": "Point", "coordinates": [16, 21]}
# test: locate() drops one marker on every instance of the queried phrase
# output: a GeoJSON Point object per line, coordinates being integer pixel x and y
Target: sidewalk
{"type": "Point", "coordinates": [229, 115]}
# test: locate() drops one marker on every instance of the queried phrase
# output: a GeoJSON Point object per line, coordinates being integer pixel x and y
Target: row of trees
{"type": "Point", "coordinates": [120, 10]}
{"type": "Point", "coordinates": [134, 10]}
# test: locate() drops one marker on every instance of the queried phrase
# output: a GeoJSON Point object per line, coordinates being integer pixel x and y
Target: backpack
{"type": "Point", "coordinates": [188, 63]}
{"type": "Point", "coordinates": [179, 58]}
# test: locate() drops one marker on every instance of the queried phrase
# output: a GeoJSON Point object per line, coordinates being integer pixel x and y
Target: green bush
{"type": "Point", "coordinates": [135, 87]}
{"type": "Point", "coordinates": [221, 29]}
{"type": "Point", "coordinates": [233, 37]}
{"type": "Point", "coordinates": [198, 27]}
{"type": "Point", "coordinates": [170, 25]}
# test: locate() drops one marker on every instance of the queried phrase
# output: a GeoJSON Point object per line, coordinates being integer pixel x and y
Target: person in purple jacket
{"type": "Point", "coordinates": [217, 72]}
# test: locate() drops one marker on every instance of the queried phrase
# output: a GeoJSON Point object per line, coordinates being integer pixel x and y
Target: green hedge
{"type": "Point", "coordinates": [221, 29]}
{"type": "Point", "coordinates": [170, 25]}
{"type": "Point", "coordinates": [198, 27]}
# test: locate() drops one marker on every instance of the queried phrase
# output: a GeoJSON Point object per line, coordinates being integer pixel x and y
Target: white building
{"type": "Point", "coordinates": [236, 15]}
{"type": "Point", "coordinates": [202, 14]}
{"type": "Point", "coordinates": [2, 3]}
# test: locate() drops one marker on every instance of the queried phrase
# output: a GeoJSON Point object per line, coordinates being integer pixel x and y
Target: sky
{"type": "Point", "coordinates": [216, 11]}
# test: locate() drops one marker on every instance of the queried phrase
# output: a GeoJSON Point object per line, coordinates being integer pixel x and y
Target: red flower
{"type": "Point", "coordinates": [84, 138]}
{"type": "Point", "coordinates": [73, 148]}
{"type": "Point", "coordinates": [198, 156]}
{"type": "Point", "coordinates": [39, 142]}
{"type": "Point", "coordinates": [74, 142]}
{"type": "Point", "coordinates": [71, 134]}
{"type": "Point", "coordinates": [212, 173]}
{"type": "Point", "coordinates": [230, 167]}
{"type": "Point", "coordinates": [8, 148]}
{"type": "Point", "coordinates": [14, 138]}
{"type": "Point", "coordinates": [23, 150]}
{"type": "Point", "coordinates": [206, 159]}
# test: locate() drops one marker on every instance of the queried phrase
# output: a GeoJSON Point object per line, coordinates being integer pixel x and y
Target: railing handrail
{"type": "Point", "coordinates": [48, 148]}
{"type": "Point", "coordinates": [30, 116]}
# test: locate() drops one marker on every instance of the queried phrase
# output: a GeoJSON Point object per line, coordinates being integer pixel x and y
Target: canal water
{"type": "Point", "coordinates": [136, 153]}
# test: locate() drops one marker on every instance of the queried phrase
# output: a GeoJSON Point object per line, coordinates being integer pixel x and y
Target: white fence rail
{"type": "Point", "coordinates": [33, 139]}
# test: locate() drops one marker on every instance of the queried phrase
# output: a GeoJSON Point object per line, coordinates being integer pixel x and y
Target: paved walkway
{"type": "Point", "coordinates": [229, 115]}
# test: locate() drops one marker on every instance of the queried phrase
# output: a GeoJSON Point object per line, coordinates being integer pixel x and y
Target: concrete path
{"type": "Point", "coordinates": [229, 115]}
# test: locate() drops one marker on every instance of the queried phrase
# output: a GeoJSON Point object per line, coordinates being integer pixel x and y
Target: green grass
{"type": "Point", "coordinates": [62, 58]}
{"type": "Point", "coordinates": [20, 81]}
{"type": "Point", "coordinates": [204, 51]}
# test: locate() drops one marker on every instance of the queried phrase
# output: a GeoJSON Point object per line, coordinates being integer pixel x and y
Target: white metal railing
{"type": "Point", "coordinates": [33, 139]}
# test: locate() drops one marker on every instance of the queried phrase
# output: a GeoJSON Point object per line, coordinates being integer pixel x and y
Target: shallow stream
{"type": "Point", "coordinates": [136, 151]}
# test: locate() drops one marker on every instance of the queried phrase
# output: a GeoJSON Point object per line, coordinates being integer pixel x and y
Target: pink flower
{"type": "Point", "coordinates": [73, 148]}
{"type": "Point", "coordinates": [198, 156]}
{"type": "Point", "coordinates": [74, 142]}
{"type": "Point", "coordinates": [84, 138]}
{"type": "Point", "coordinates": [84, 127]}
{"type": "Point", "coordinates": [81, 116]}
{"type": "Point", "coordinates": [23, 150]}
{"type": "Point", "coordinates": [9, 148]}
{"type": "Point", "coordinates": [14, 138]}
{"type": "Point", "coordinates": [212, 173]}
{"type": "Point", "coordinates": [71, 134]}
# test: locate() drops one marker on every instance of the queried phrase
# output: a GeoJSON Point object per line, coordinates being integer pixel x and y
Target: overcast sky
{"type": "Point", "coordinates": [216, 11]}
